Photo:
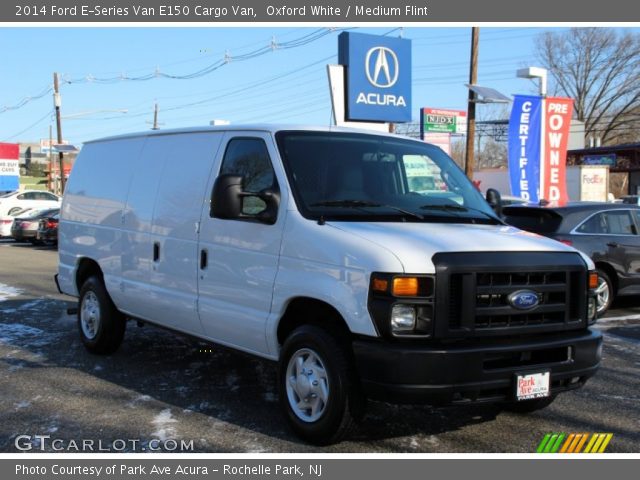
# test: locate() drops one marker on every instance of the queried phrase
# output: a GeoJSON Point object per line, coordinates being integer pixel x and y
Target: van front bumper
{"type": "Point", "coordinates": [484, 371]}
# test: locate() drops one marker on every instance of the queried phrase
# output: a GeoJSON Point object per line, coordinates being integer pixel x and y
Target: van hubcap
{"type": "Point", "coordinates": [602, 294]}
{"type": "Point", "coordinates": [307, 385]}
{"type": "Point", "coordinates": [90, 315]}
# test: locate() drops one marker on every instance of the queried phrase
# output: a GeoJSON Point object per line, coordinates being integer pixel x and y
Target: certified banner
{"type": "Point", "coordinates": [557, 120]}
{"type": "Point", "coordinates": [524, 147]}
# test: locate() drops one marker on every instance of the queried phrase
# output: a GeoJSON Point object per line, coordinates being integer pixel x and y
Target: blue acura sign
{"type": "Point", "coordinates": [378, 77]}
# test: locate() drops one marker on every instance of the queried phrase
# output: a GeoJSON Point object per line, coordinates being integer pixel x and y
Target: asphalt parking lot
{"type": "Point", "coordinates": [160, 387]}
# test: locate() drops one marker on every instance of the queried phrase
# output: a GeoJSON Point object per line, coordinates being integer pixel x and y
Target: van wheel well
{"type": "Point", "coordinates": [86, 269]}
{"type": "Point", "coordinates": [611, 272]}
{"type": "Point", "coordinates": [309, 311]}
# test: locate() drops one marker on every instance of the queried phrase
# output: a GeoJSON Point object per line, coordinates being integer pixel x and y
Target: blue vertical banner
{"type": "Point", "coordinates": [525, 127]}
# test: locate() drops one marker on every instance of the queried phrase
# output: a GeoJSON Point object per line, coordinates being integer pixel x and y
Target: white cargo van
{"type": "Point", "coordinates": [308, 246]}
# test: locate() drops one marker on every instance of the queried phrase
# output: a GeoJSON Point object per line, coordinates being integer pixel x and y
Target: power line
{"type": "Point", "coordinates": [37, 122]}
{"type": "Point", "coordinates": [228, 58]}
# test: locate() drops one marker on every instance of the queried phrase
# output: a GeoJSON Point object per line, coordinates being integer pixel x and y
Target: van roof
{"type": "Point", "coordinates": [272, 128]}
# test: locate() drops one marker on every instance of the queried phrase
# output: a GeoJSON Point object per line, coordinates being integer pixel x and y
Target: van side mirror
{"type": "Point", "coordinates": [228, 196]}
{"type": "Point", "coordinates": [495, 201]}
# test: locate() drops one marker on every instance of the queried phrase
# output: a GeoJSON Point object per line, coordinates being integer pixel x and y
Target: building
{"type": "Point", "coordinates": [623, 162]}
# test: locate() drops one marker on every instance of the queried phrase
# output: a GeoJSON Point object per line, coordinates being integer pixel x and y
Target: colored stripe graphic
{"type": "Point", "coordinates": [574, 443]}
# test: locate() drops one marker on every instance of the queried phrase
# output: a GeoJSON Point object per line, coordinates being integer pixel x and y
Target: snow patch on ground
{"type": "Point", "coordinates": [20, 335]}
{"type": "Point", "coordinates": [22, 404]}
{"type": "Point", "coordinates": [7, 292]}
{"type": "Point", "coordinates": [139, 399]}
{"type": "Point", "coordinates": [163, 422]}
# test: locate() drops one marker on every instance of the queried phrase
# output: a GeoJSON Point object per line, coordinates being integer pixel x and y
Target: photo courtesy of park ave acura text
{"type": "Point", "coordinates": [362, 238]}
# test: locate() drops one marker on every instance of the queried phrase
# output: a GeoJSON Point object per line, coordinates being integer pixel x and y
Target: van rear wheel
{"type": "Point", "coordinates": [318, 393]}
{"type": "Point", "coordinates": [100, 323]}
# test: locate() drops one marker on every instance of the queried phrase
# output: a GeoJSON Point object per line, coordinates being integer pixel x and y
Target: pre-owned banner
{"type": "Point", "coordinates": [557, 120]}
{"type": "Point", "coordinates": [524, 147]}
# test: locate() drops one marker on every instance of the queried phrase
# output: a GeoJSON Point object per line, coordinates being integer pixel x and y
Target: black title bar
{"type": "Point", "coordinates": [332, 11]}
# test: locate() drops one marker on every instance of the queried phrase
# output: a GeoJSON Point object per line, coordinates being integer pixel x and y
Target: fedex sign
{"type": "Point", "coordinates": [378, 77]}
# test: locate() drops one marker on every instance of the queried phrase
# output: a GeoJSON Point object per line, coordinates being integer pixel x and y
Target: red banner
{"type": "Point", "coordinates": [557, 120]}
{"type": "Point", "coordinates": [9, 151]}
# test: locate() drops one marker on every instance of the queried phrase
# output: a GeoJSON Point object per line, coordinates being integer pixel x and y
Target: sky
{"type": "Point", "coordinates": [276, 85]}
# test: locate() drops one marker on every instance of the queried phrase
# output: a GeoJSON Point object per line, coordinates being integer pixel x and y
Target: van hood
{"type": "Point", "coordinates": [415, 243]}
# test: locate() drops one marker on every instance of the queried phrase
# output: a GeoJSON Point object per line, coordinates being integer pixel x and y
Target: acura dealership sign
{"type": "Point", "coordinates": [378, 77]}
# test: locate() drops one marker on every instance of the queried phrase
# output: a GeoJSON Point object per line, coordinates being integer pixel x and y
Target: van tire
{"type": "Point", "coordinates": [100, 324]}
{"type": "Point", "coordinates": [324, 352]}
{"type": "Point", "coordinates": [530, 406]}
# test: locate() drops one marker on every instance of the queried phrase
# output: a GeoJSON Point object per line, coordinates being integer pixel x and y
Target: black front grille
{"type": "Point", "coordinates": [478, 286]}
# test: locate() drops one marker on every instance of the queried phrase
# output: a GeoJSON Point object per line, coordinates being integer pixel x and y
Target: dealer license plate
{"type": "Point", "coordinates": [532, 385]}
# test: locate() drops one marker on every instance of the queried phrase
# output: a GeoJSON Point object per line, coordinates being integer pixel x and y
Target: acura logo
{"type": "Point", "coordinates": [382, 67]}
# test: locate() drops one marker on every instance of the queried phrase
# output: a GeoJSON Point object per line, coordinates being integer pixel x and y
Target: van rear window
{"type": "Point", "coordinates": [534, 220]}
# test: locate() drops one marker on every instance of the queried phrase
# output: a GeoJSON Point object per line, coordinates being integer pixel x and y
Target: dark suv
{"type": "Point", "coordinates": [607, 232]}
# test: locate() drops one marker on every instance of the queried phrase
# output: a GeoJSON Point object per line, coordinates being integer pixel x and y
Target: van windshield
{"type": "Point", "coordinates": [361, 177]}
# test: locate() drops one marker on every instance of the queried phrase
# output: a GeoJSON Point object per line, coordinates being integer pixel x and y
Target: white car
{"type": "Point", "coordinates": [6, 222]}
{"type": "Point", "coordinates": [14, 201]}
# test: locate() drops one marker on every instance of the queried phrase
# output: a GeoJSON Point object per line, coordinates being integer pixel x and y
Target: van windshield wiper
{"type": "Point", "coordinates": [365, 204]}
{"type": "Point", "coordinates": [460, 208]}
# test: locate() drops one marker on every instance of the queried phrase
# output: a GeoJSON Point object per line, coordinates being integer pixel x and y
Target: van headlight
{"type": "Point", "coordinates": [402, 305]}
{"type": "Point", "coordinates": [403, 319]}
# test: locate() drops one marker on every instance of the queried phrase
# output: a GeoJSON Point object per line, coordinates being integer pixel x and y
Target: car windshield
{"type": "Point", "coordinates": [360, 177]}
{"type": "Point", "coordinates": [7, 195]}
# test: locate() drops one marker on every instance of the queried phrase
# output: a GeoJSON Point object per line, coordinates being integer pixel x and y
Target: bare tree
{"type": "Point", "coordinates": [600, 70]}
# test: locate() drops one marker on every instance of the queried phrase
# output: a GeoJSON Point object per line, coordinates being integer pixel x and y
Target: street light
{"type": "Point", "coordinates": [535, 72]}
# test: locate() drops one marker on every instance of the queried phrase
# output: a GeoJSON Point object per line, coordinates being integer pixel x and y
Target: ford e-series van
{"type": "Point", "coordinates": [311, 248]}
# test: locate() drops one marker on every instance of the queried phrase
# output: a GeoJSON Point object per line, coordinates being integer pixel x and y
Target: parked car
{"type": "Point", "coordinates": [25, 227]}
{"type": "Point", "coordinates": [34, 199]}
{"type": "Point", "coordinates": [309, 247]}
{"type": "Point", "coordinates": [607, 232]}
{"type": "Point", "coordinates": [6, 222]}
{"type": "Point", "coordinates": [48, 229]}
{"type": "Point", "coordinates": [630, 199]}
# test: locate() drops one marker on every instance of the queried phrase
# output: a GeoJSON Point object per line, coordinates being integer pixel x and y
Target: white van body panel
{"type": "Point", "coordinates": [236, 287]}
{"type": "Point", "coordinates": [325, 263]}
{"type": "Point", "coordinates": [415, 243]}
{"type": "Point", "coordinates": [173, 287]}
{"type": "Point", "coordinates": [92, 208]}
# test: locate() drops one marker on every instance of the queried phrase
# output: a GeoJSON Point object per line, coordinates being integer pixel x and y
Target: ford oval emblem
{"type": "Point", "coordinates": [523, 299]}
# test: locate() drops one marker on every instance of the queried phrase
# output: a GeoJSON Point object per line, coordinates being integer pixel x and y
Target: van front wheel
{"type": "Point", "coordinates": [100, 323]}
{"type": "Point", "coordinates": [317, 392]}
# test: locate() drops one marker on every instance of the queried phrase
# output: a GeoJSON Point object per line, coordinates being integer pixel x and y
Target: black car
{"type": "Point", "coordinates": [608, 233]}
{"type": "Point", "coordinates": [48, 229]}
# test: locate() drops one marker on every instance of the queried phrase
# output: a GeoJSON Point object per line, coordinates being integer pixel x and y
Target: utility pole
{"type": "Point", "coordinates": [155, 124]}
{"type": "Point", "coordinates": [470, 161]}
{"type": "Point", "coordinates": [57, 103]}
{"type": "Point", "coordinates": [50, 158]}
{"type": "Point", "coordinates": [155, 118]}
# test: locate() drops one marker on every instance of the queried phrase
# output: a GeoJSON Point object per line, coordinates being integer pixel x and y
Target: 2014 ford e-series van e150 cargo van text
{"type": "Point", "coordinates": [308, 246]}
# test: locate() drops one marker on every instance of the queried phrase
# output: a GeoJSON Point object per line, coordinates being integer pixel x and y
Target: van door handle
{"type": "Point", "coordinates": [156, 251]}
{"type": "Point", "coordinates": [612, 244]}
{"type": "Point", "coordinates": [203, 259]}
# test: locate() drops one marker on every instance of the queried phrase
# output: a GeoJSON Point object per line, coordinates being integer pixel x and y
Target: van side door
{"type": "Point", "coordinates": [239, 256]}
